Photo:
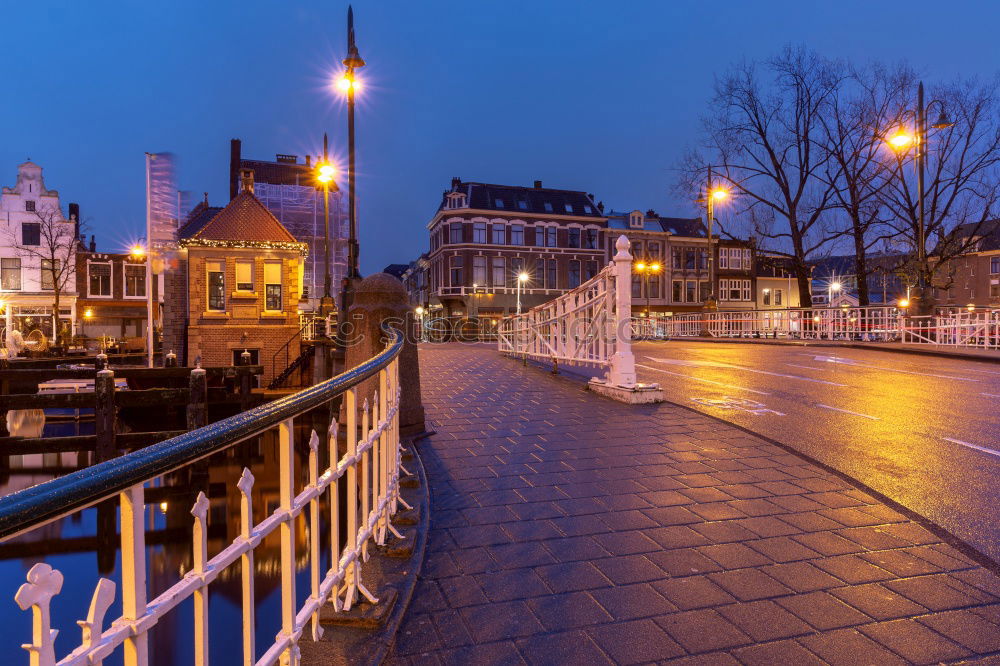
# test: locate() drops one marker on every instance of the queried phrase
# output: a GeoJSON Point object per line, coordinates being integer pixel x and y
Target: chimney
{"type": "Point", "coordinates": [234, 167]}
{"type": "Point", "coordinates": [308, 160]}
{"type": "Point", "coordinates": [246, 180]}
{"type": "Point", "coordinates": [93, 244]}
{"type": "Point", "coordinates": [650, 213]}
{"type": "Point", "coordinates": [538, 184]}
{"type": "Point", "coordinates": [456, 183]}
{"type": "Point", "coordinates": [600, 206]}
{"type": "Point", "coordinates": [74, 217]}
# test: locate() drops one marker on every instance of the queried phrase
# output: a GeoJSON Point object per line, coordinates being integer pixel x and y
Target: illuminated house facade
{"type": "Point", "coordinates": [237, 285]}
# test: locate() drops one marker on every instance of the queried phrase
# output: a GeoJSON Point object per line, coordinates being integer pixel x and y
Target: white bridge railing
{"type": "Point", "coordinates": [370, 468]}
{"type": "Point", "coordinates": [961, 329]}
{"type": "Point", "coordinates": [588, 326]}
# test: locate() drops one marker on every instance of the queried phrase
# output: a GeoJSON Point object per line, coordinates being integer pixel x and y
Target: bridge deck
{"type": "Point", "coordinates": [571, 529]}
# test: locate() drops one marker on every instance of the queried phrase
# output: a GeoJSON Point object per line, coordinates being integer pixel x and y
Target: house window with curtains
{"type": "Point", "coordinates": [216, 281]}
{"type": "Point", "coordinates": [272, 286]}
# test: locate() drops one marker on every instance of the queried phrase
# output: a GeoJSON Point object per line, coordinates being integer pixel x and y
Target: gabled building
{"type": "Point", "coordinates": [112, 296]}
{"type": "Point", "coordinates": [237, 286]}
{"type": "Point", "coordinates": [33, 222]}
{"type": "Point", "coordinates": [677, 248]}
{"type": "Point", "coordinates": [484, 236]}
{"type": "Point", "coordinates": [289, 190]}
{"type": "Point", "coordinates": [974, 277]}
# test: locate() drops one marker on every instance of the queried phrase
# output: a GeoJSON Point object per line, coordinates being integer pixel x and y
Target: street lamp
{"type": "Point", "coordinates": [138, 253]}
{"type": "Point", "coordinates": [324, 175]}
{"type": "Point", "coordinates": [903, 141]}
{"type": "Point", "coordinates": [713, 194]}
{"type": "Point", "coordinates": [832, 287]}
{"type": "Point", "coordinates": [522, 277]}
{"type": "Point", "coordinates": [645, 269]}
{"type": "Point", "coordinates": [348, 83]}
{"type": "Point", "coordinates": [420, 318]}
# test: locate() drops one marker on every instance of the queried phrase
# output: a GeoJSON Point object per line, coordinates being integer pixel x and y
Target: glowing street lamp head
{"type": "Point", "coordinates": [137, 251]}
{"type": "Point", "coordinates": [655, 267]}
{"type": "Point", "coordinates": [88, 314]}
{"type": "Point", "coordinates": [420, 310]}
{"type": "Point", "coordinates": [903, 303]}
{"type": "Point", "coordinates": [325, 173]}
{"type": "Point", "coordinates": [901, 140]}
{"type": "Point", "coordinates": [719, 193]}
{"type": "Point", "coordinates": [522, 277]}
{"type": "Point", "coordinates": [835, 286]}
{"type": "Point", "coordinates": [348, 82]}
{"type": "Point", "coordinates": [640, 266]}
{"type": "Point", "coordinates": [971, 307]}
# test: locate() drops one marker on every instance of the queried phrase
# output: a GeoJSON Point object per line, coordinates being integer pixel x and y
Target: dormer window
{"type": "Point", "coordinates": [548, 207]}
{"type": "Point", "coordinates": [635, 220]}
{"type": "Point", "coordinates": [522, 204]}
{"type": "Point", "coordinates": [569, 208]}
{"type": "Point", "coordinates": [455, 200]}
{"type": "Point", "coordinates": [498, 203]}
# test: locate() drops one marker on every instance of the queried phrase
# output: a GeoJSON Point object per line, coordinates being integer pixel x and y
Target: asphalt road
{"type": "Point", "coordinates": [924, 431]}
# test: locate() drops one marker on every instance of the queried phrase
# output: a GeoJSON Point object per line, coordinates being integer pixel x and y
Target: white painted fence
{"type": "Point", "coordinates": [589, 326]}
{"type": "Point", "coordinates": [961, 329]}
{"type": "Point", "coordinates": [370, 468]}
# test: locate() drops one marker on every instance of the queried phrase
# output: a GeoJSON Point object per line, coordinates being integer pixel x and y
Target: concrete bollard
{"type": "Point", "coordinates": [104, 415]}
{"type": "Point", "coordinates": [197, 409]}
{"type": "Point", "coordinates": [378, 298]}
{"type": "Point", "coordinates": [101, 362]}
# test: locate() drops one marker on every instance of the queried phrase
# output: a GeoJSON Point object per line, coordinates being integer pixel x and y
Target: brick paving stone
{"type": "Point", "coordinates": [693, 592]}
{"type": "Point", "coordinates": [703, 631]}
{"type": "Point", "coordinates": [972, 631]}
{"type": "Point", "coordinates": [764, 620]}
{"type": "Point", "coordinates": [823, 611]}
{"type": "Point", "coordinates": [570, 647]}
{"type": "Point", "coordinates": [548, 502]}
{"type": "Point", "coordinates": [635, 642]}
{"type": "Point", "coordinates": [914, 642]}
{"type": "Point", "coordinates": [802, 576]}
{"type": "Point", "coordinates": [683, 562]}
{"type": "Point", "coordinates": [849, 647]}
{"type": "Point", "coordinates": [878, 601]}
{"type": "Point", "coordinates": [749, 584]}
{"type": "Point", "coordinates": [630, 602]}
{"type": "Point", "coordinates": [566, 611]}
{"type": "Point", "coordinates": [781, 652]}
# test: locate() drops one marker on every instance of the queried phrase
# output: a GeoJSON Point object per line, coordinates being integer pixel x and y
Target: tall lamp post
{"type": "Point", "coordinates": [902, 141]}
{"type": "Point", "coordinates": [138, 252]}
{"type": "Point", "coordinates": [324, 175]}
{"type": "Point", "coordinates": [645, 269]}
{"type": "Point", "coordinates": [349, 84]}
{"type": "Point", "coordinates": [712, 194]}
{"type": "Point", "coordinates": [521, 279]}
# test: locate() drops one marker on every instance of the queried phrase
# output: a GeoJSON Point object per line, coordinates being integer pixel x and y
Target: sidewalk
{"type": "Point", "coordinates": [946, 351]}
{"type": "Point", "coordinates": [569, 529]}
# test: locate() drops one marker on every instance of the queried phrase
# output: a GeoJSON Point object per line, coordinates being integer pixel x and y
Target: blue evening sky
{"type": "Point", "coordinates": [596, 96]}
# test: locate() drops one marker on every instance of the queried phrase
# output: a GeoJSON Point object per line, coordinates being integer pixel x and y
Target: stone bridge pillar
{"type": "Point", "coordinates": [378, 298]}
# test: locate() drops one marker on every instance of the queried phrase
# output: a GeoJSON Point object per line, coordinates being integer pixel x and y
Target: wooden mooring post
{"type": "Point", "coordinates": [104, 415]}
{"type": "Point", "coordinates": [197, 409]}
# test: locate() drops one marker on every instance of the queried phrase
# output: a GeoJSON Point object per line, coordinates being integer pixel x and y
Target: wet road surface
{"type": "Point", "coordinates": [923, 430]}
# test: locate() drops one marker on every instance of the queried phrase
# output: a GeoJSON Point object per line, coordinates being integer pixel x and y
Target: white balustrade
{"type": "Point", "coordinates": [371, 468]}
{"type": "Point", "coordinates": [588, 326]}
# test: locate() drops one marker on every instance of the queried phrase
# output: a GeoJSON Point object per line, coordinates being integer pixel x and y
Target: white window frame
{"type": "Point", "coordinates": [281, 284]}
{"type": "Point", "coordinates": [125, 295]}
{"type": "Point", "coordinates": [111, 279]}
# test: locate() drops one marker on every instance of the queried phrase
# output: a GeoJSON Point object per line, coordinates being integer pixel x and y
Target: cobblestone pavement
{"type": "Point", "coordinates": [569, 529]}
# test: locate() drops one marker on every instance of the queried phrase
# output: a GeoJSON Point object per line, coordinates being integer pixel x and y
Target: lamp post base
{"type": "Point", "coordinates": [922, 301]}
{"type": "Point", "coordinates": [711, 304]}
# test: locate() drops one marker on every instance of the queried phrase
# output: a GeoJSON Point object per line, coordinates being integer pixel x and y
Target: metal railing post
{"type": "Point", "coordinates": [622, 372]}
{"type": "Point", "coordinates": [286, 472]}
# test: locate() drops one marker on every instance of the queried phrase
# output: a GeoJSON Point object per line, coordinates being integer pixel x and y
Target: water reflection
{"type": "Point", "coordinates": [85, 546]}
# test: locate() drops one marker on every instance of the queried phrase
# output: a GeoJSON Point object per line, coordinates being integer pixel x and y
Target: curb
{"type": "Point", "coordinates": [871, 346]}
{"type": "Point", "coordinates": [386, 639]}
{"type": "Point", "coordinates": [960, 545]}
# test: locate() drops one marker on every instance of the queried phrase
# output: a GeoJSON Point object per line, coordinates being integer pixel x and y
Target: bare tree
{"type": "Point", "coordinates": [853, 123]}
{"type": "Point", "coordinates": [763, 133]}
{"type": "Point", "coordinates": [962, 181]}
{"type": "Point", "coordinates": [55, 254]}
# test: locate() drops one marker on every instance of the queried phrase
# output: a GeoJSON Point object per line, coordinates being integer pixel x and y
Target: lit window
{"type": "Point", "coordinates": [244, 275]}
{"type": "Point", "coordinates": [10, 274]}
{"type": "Point", "coordinates": [49, 273]}
{"type": "Point", "coordinates": [216, 281]}
{"type": "Point", "coordinates": [100, 279]}
{"type": "Point", "coordinates": [135, 280]}
{"type": "Point", "coordinates": [272, 286]}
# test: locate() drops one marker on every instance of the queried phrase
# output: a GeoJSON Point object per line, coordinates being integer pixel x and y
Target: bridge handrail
{"type": "Point", "coordinates": [33, 507]}
{"type": "Point", "coordinates": [370, 468]}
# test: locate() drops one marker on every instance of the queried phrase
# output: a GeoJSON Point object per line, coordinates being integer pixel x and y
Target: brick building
{"type": "Point", "coordinates": [973, 278]}
{"type": "Point", "coordinates": [679, 247]}
{"type": "Point", "coordinates": [483, 236]}
{"type": "Point", "coordinates": [111, 298]}
{"type": "Point", "coordinates": [237, 285]}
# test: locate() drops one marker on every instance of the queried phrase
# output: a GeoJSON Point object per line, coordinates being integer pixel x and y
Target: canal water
{"type": "Point", "coordinates": [85, 547]}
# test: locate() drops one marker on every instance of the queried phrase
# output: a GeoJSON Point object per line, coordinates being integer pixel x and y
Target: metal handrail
{"type": "Point", "coordinates": [33, 507]}
{"type": "Point", "coordinates": [285, 347]}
